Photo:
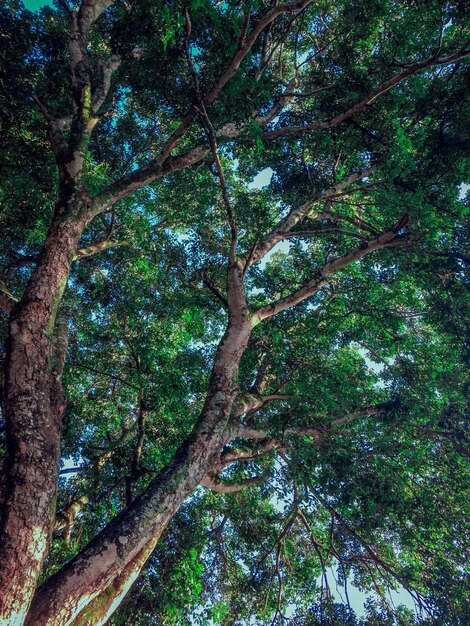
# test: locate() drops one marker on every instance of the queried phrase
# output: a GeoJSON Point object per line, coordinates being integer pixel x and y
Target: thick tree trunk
{"type": "Point", "coordinates": [97, 577]}
{"type": "Point", "coordinates": [98, 612]}
{"type": "Point", "coordinates": [34, 403]}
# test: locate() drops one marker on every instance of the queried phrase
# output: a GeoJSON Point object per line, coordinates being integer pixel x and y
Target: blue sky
{"type": "Point", "coordinates": [34, 5]}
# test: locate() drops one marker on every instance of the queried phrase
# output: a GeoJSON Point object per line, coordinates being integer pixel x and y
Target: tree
{"type": "Point", "coordinates": [257, 385]}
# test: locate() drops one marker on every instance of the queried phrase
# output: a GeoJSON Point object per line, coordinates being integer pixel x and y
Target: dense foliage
{"type": "Point", "coordinates": [355, 477]}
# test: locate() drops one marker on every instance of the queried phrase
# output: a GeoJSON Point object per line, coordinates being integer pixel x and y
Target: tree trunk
{"type": "Point", "coordinates": [34, 404]}
{"type": "Point", "coordinates": [99, 576]}
{"type": "Point", "coordinates": [98, 612]}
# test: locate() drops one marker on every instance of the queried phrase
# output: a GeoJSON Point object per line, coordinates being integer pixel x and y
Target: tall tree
{"type": "Point", "coordinates": [259, 384]}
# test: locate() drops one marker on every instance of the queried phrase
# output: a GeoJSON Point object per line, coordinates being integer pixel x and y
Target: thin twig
{"type": "Point", "coordinates": [201, 108]}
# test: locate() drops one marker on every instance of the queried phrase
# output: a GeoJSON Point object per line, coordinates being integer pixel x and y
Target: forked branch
{"type": "Point", "coordinates": [362, 104]}
{"type": "Point", "coordinates": [294, 216]}
{"type": "Point", "coordinates": [318, 433]}
{"type": "Point", "coordinates": [391, 238]}
{"type": "Point", "coordinates": [157, 167]}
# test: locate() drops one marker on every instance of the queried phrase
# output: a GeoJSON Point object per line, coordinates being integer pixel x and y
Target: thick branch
{"type": "Point", "coordinates": [55, 131]}
{"type": "Point", "coordinates": [250, 402]}
{"type": "Point", "coordinates": [145, 175]}
{"type": "Point", "coordinates": [89, 12]}
{"type": "Point", "coordinates": [96, 248]}
{"type": "Point", "coordinates": [65, 519]}
{"type": "Point", "coordinates": [374, 409]}
{"type": "Point", "coordinates": [100, 609]}
{"type": "Point", "coordinates": [340, 217]}
{"type": "Point", "coordinates": [248, 432]}
{"type": "Point", "coordinates": [213, 481]}
{"type": "Point", "coordinates": [295, 215]}
{"type": "Point", "coordinates": [389, 239]}
{"type": "Point", "coordinates": [280, 104]}
{"type": "Point", "coordinates": [236, 455]}
{"type": "Point", "coordinates": [83, 119]}
{"type": "Point", "coordinates": [107, 557]}
{"type": "Point", "coordinates": [104, 72]}
{"type": "Point", "coordinates": [303, 234]}
{"type": "Point", "coordinates": [362, 104]}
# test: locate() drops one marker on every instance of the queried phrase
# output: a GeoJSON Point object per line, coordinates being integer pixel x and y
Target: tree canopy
{"type": "Point", "coordinates": [233, 299]}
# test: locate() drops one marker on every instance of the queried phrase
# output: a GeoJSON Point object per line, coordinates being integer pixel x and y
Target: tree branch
{"type": "Point", "coordinates": [89, 12]}
{"type": "Point", "coordinates": [248, 432]}
{"type": "Point", "coordinates": [213, 481]}
{"type": "Point", "coordinates": [356, 221]}
{"type": "Point", "coordinates": [214, 290]}
{"type": "Point", "coordinates": [105, 70]}
{"type": "Point", "coordinates": [250, 402]}
{"type": "Point", "coordinates": [55, 130]}
{"type": "Point", "coordinates": [98, 247]}
{"type": "Point", "coordinates": [302, 234]}
{"type": "Point", "coordinates": [65, 519]}
{"type": "Point", "coordinates": [145, 175]}
{"type": "Point", "coordinates": [269, 17]}
{"type": "Point", "coordinates": [60, 342]}
{"type": "Point", "coordinates": [7, 301]}
{"type": "Point", "coordinates": [280, 104]}
{"type": "Point", "coordinates": [389, 239]}
{"type": "Point", "coordinates": [207, 124]}
{"type": "Point", "coordinates": [373, 409]}
{"type": "Point", "coordinates": [235, 455]}
{"type": "Point", "coordinates": [83, 119]}
{"type": "Point", "coordinates": [362, 104]}
{"type": "Point", "coordinates": [113, 376]}
{"type": "Point", "coordinates": [296, 214]}
{"type": "Point", "coordinates": [155, 169]}
{"type": "Point", "coordinates": [101, 607]}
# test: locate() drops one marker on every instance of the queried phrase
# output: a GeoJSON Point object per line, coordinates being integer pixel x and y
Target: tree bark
{"type": "Point", "coordinates": [96, 577]}
{"type": "Point", "coordinates": [34, 404]}
{"type": "Point", "coordinates": [98, 612]}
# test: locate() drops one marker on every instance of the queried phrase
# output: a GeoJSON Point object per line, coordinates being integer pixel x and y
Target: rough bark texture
{"type": "Point", "coordinates": [34, 403]}
{"type": "Point", "coordinates": [109, 561]}
{"type": "Point", "coordinates": [103, 606]}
